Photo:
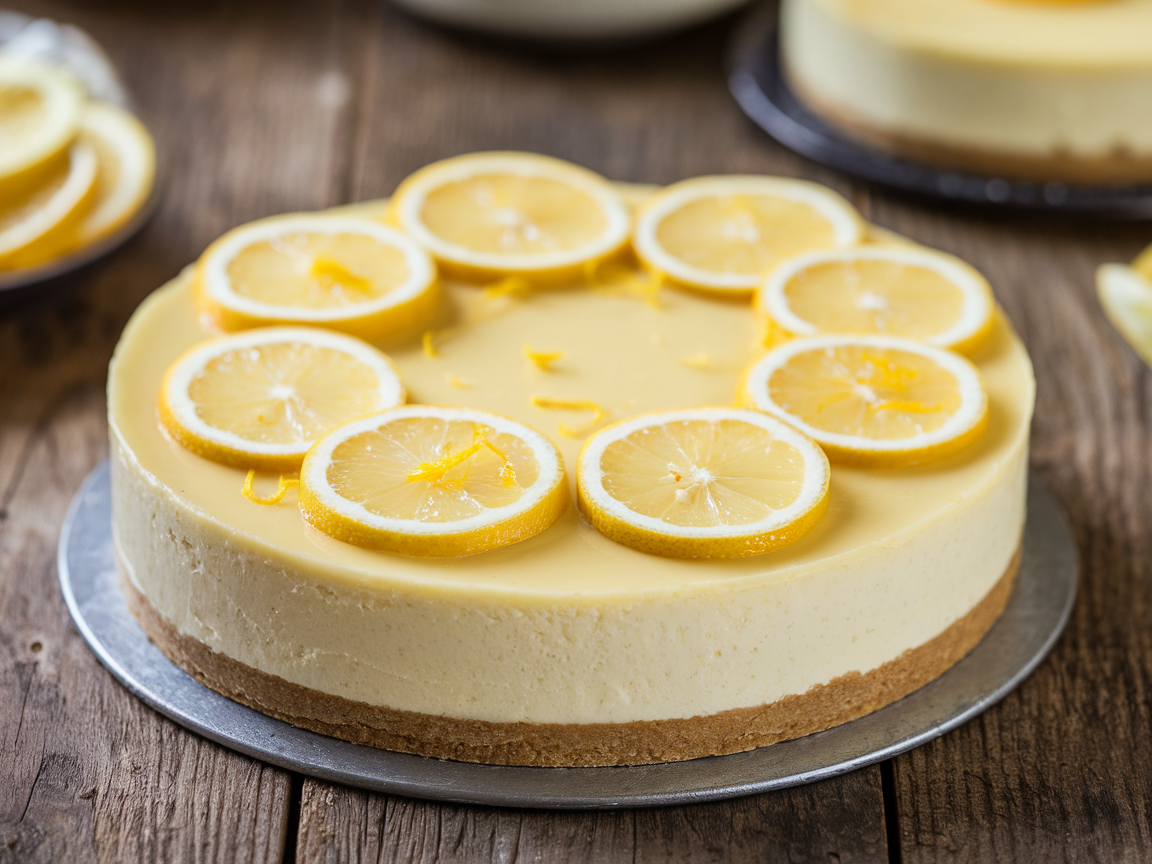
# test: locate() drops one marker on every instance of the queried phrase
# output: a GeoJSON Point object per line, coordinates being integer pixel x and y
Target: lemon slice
{"type": "Point", "coordinates": [1126, 295]}
{"type": "Point", "coordinates": [724, 234]}
{"type": "Point", "coordinates": [702, 483]}
{"type": "Point", "coordinates": [126, 160]}
{"type": "Point", "coordinates": [33, 224]}
{"type": "Point", "coordinates": [261, 398]}
{"type": "Point", "coordinates": [339, 272]}
{"type": "Point", "coordinates": [39, 116]}
{"type": "Point", "coordinates": [883, 290]}
{"type": "Point", "coordinates": [872, 401]}
{"type": "Point", "coordinates": [487, 215]}
{"type": "Point", "coordinates": [429, 481]}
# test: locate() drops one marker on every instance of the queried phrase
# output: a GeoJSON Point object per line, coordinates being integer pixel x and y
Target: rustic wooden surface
{"type": "Point", "coordinates": [263, 107]}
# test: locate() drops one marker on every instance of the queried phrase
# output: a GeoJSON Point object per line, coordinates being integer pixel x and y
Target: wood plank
{"type": "Point", "coordinates": [247, 109]}
{"type": "Point", "coordinates": [1060, 771]}
{"type": "Point", "coordinates": [657, 114]}
{"type": "Point", "coordinates": [836, 821]}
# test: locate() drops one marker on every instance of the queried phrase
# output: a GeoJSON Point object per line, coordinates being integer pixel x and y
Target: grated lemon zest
{"type": "Point", "coordinates": [512, 286]}
{"type": "Point", "coordinates": [433, 472]}
{"type": "Point", "coordinates": [324, 266]}
{"type": "Point", "coordinates": [459, 383]}
{"type": "Point", "coordinates": [542, 359]}
{"type": "Point", "coordinates": [282, 488]}
{"type": "Point", "coordinates": [572, 405]}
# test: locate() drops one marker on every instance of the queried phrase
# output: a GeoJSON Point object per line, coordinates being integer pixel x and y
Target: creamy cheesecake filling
{"type": "Point", "coordinates": [567, 627]}
{"type": "Point", "coordinates": [1028, 79]}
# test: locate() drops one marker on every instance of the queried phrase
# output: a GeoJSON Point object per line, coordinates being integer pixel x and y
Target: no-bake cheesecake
{"type": "Point", "coordinates": [565, 648]}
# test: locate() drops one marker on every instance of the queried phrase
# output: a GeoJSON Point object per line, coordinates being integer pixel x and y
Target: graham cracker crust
{"type": "Point", "coordinates": [1119, 168]}
{"type": "Point", "coordinates": [577, 745]}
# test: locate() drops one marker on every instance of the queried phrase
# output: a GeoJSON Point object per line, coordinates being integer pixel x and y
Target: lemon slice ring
{"type": "Point", "coordinates": [373, 318]}
{"type": "Point", "coordinates": [957, 431]}
{"type": "Point", "coordinates": [535, 509]}
{"type": "Point", "coordinates": [180, 417]}
{"type": "Point", "coordinates": [846, 225]}
{"type": "Point", "coordinates": [970, 326]}
{"type": "Point", "coordinates": [62, 99]}
{"type": "Point", "coordinates": [22, 239]}
{"type": "Point", "coordinates": [617, 521]}
{"type": "Point", "coordinates": [409, 201]}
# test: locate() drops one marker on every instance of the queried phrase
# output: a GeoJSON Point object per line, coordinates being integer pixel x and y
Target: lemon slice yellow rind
{"type": "Point", "coordinates": [25, 153]}
{"type": "Point", "coordinates": [179, 416]}
{"type": "Point", "coordinates": [845, 227]}
{"type": "Point", "coordinates": [402, 308]}
{"type": "Point", "coordinates": [646, 533]}
{"type": "Point", "coordinates": [958, 430]}
{"type": "Point", "coordinates": [967, 330]}
{"type": "Point", "coordinates": [42, 225]}
{"type": "Point", "coordinates": [536, 509]}
{"type": "Point", "coordinates": [473, 264]}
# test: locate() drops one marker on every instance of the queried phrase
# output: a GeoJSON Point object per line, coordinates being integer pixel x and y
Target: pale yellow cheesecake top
{"type": "Point", "coordinates": [1059, 33]}
{"type": "Point", "coordinates": [617, 351]}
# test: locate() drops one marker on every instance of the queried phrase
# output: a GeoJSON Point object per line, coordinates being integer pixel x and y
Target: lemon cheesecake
{"type": "Point", "coordinates": [595, 634]}
{"type": "Point", "coordinates": [1039, 89]}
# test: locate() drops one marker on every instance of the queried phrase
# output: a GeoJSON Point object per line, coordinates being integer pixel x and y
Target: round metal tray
{"type": "Point", "coordinates": [754, 79]}
{"type": "Point", "coordinates": [1037, 612]}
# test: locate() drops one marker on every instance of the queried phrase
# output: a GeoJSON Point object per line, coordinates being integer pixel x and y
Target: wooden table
{"type": "Point", "coordinates": [263, 107]}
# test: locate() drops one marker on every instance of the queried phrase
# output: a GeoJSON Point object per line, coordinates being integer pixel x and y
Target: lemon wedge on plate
{"type": "Point", "coordinates": [491, 215]}
{"type": "Point", "coordinates": [40, 109]}
{"type": "Point", "coordinates": [872, 401]}
{"type": "Point", "coordinates": [259, 399]}
{"type": "Point", "coordinates": [341, 272]}
{"type": "Point", "coordinates": [1126, 295]}
{"type": "Point", "coordinates": [430, 481]}
{"type": "Point", "coordinates": [725, 234]}
{"type": "Point", "coordinates": [702, 483]}
{"type": "Point", "coordinates": [882, 290]}
{"type": "Point", "coordinates": [34, 223]}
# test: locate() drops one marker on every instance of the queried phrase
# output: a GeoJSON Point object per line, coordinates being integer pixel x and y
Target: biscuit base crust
{"type": "Point", "coordinates": [577, 745]}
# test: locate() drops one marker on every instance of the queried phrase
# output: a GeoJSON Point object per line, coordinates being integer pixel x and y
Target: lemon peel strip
{"type": "Point", "coordinates": [322, 266]}
{"type": "Point", "coordinates": [282, 488]}
{"type": "Point", "coordinates": [543, 360]}
{"type": "Point", "coordinates": [549, 403]}
{"type": "Point", "coordinates": [513, 286]}
{"type": "Point", "coordinates": [428, 344]}
{"type": "Point", "coordinates": [458, 383]}
{"type": "Point", "coordinates": [433, 472]}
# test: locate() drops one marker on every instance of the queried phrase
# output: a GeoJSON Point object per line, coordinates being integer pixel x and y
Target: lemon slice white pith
{"type": "Point", "coordinates": [882, 290]}
{"type": "Point", "coordinates": [32, 224]}
{"type": "Point", "coordinates": [723, 234]}
{"type": "Point", "coordinates": [432, 481]}
{"type": "Point", "coordinates": [872, 400]}
{"type": "Point", "coordinates": [702, 483]}
{"type": "Point", "coordinates": [259, 399]}
{"type": "Point", "coordinates": [340, 272]}
{"type": "Point", "coordinates": [39, 115]}
{"type": "Point", "coordinates": [490, 214]}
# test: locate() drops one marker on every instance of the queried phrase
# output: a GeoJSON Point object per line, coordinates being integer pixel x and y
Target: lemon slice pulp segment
{"type": "Point", "coordinates": [39, 117]}
{"type": "Point", "coordinates": [872, 401]}
{"type": "Point", "coordinates": [432, 481]}
{"type": "Point", "coordinates": [883, 290]}
{"type": "Point", "coordinates": [259, 399]}
{"type": "Point", "coordinates": [702, 483]}
{"type": "Point", "coordinates": [34, 224]}
{"type": "Point", "coordinates": [340, 272]}
{"type": "Point", "coordinates": [487, 215]}
{"type": "Point", "coordinates": [724, 234]}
